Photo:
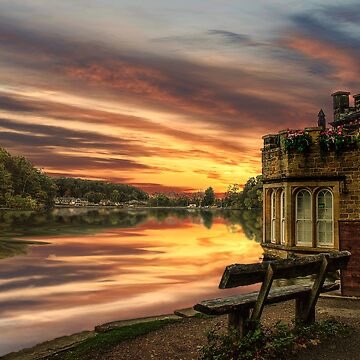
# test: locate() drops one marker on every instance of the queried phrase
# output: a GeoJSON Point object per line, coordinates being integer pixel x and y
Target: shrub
{"type": "Point", "coordinates": [297, 140]}
{"type": "Point", "coordinates": [264, 344]}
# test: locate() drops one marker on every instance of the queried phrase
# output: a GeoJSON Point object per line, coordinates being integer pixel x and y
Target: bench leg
{"type": "Point", "coordinates": [238, 321]}
{"type": "Point", "coordinates": [302, 315]}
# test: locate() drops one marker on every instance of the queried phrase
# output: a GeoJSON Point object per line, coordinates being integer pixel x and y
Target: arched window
{"type": "Point", "coordinates": [282, 217]}
{"type": "Point", "coordinates": [303, 218]}
{"type": "Point", "coordinates": [273, 216]}
{"type": "Point", "coordinates": [324, 218]}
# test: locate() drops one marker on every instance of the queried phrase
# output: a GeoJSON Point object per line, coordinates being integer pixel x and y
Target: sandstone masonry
{"type": "Point", "coordinates": [312, 199]}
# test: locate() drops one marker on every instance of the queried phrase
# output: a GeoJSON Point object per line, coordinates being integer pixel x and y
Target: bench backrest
{"type": "Point", "coordinates": [247, 274]}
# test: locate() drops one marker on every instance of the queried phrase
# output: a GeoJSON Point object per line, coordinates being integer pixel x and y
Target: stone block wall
{"type": "Point", "coordinates": [316, 169]}
{"type": "Point", "coordinates": [280, 164]}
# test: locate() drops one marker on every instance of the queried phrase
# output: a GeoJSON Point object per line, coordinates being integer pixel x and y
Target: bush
{"type": "Point", "coordinates": [264, 344]}
{"type": "Point", "coordinates": [297, 140]}
{"type": "Point", "coordinates": [21, 202]}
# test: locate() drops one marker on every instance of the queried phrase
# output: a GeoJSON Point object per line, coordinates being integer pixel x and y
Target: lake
{"type": "Point", "coordinates": [98, 265]}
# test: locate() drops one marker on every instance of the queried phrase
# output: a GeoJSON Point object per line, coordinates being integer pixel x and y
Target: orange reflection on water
{"type": "Point", "coordinates": [80, 281]}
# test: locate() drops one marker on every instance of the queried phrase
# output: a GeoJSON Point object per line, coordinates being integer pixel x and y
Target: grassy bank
{"type": "Point", "coordinates": [100, 342]}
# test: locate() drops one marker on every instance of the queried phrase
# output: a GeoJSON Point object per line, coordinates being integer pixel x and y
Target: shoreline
{"type": "Point", "coordinates": [57, 345]}
{"type": "Point", "coordinates": [330, 306]}
{"type": "Point", "coordinates": [131, 208]}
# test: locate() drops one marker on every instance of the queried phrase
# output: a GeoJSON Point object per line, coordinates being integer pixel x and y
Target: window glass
{"type": "Point", "coordinates": [273, 217]}
{"type": "Point", "coordinates": [303, 218]}
{"type": "Point", "coordinates": [324, 221]}
{"type": "Point", "coordinates": [282, 216]}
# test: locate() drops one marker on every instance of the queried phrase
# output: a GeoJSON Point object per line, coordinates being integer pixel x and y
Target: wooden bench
{"type": "Point", "coordinates": [239, 307]}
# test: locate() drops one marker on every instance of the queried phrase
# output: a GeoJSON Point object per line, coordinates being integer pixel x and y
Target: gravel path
{"type": "Point", "coordinates": [181, 341]}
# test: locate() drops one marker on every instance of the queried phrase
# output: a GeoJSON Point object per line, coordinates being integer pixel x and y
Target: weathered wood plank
{"type": "Point", "coordinates": [247, 274]}
{"type": "Point", "coordinates": [230, 304]}
{"type": "Point", "coordinates": [263, 293]}
{"type": "Point", "coordinates": [238, 321]}
{"type": "Point", "coordinates": [309, 310]}
{"type": "Point", "coordinates": [300, 306]}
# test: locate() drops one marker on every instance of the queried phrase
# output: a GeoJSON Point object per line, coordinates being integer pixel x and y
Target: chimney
{"type": "Point", "coordinates": [357, 102]}
{"type": "Point", "coordinates": [341, 103]}
{"type": "Point", "coordinates": [321, 119]}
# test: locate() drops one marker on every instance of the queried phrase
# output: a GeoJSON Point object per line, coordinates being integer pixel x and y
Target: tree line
{"type": "Point", "coordinates": [248, 197]}
{"type": "Point", "coordinates": [198, 199]}
{"type": "Point", "coordinates": [95, 190]}
{"type": "Point", "coordinates": [25, 187]}
{"type": "Point", "coordinates": [22, 186]}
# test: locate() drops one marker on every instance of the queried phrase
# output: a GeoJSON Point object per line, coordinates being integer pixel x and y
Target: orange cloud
{"type": "Point", "coordinates": [346, 65]}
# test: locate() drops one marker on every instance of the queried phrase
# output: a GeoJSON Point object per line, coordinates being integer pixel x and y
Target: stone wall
{"type": "Point", "coordinates": [277, 164]}
{"type": "Point", "coordinates": [341, 172]}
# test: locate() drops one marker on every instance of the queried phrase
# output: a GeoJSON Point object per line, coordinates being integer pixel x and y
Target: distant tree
{"type": "Point", "coordinates": [94, 197]}
{"type": "Point", "coordinates": [248, 198]}
{"type": "Point", "coordinates": [251, 196]}
{"type": "Point", "coordinates": [197, 198]}
{"type": "Point", "coordinates": [115, 196]}
{"type": "Point", "coordinates": [5, 184]}
{"type": "Point", "coordinates": [22, 185]}
{"type": "Point", "coordinates": [160, 200]}
{"type": "Point", "coordinates": [181, 200]}
{"type": "Point", "coordinates": [81, 188]}
{"type": "Point", "coordinates": [21, 182]}
{"type": "Point", "coordinates": [209, 197]}
{"type": "Point", "coordinates": [232, 196]}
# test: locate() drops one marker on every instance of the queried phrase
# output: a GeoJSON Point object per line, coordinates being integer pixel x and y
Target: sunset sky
{"type": "Point", "coordinates": [167, 94]}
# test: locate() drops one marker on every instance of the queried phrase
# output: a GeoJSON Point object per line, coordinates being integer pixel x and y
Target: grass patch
{"type": "Point", "coordinates": [105, 341]}
{"type": "Point", "coordinates": [263, 344]}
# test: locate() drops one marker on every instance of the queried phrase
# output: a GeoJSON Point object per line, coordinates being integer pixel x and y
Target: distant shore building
{"type": "Point", "coordinates": [311, 199]}
{"type": "Point", "coordinates": [70, 201]}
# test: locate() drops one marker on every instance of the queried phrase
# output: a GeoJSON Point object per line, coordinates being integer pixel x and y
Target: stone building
{"type": "Point", "coordinates": [312, 189]}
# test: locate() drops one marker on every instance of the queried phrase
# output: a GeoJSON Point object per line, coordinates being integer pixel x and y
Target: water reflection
{"type": "Point", "coordinates": [104, 265]}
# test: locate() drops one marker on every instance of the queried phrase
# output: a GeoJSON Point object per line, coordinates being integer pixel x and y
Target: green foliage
{"type": "Point", "coordinates": [115, 196]}
{"type": "Point", "coordinates": [209, 197]}
{"type": "Point", "coordinates": [22, 186]}
{"type": "Point", "coordinates": [160, 200]}
{"type": "Point", "coordinates": [297, 140]}
{"type": "Point", "coordinates": [277, 343]}
{"type": "Point", "coordinates": [231, 347]}
{"type": "Point", "coordinates": [232, 197]}
{"type": "Point", "coordinates": [338, 139]}
{"type": "Point", "coordinates": [333, 139]}
{"type": "Point", "coordinates": [248, 198]}
{"type": "Point", "coordinates": [104, 341]}
{"type": "Point", "coordinates": [96, 190]}
{"type": "Point", "coordinates": [174, 199]}
{"type": "Point", "coordinates": [20, 202]}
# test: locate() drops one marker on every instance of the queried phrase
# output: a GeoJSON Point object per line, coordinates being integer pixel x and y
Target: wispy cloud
{"type": "Point", "coordinates": [233, 38]}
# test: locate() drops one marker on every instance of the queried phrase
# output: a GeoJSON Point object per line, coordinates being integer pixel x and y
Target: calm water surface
{"type": "Point", "coordinates": [103, 265]}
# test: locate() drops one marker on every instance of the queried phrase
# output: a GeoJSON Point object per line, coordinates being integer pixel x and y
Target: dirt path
{"type": "Point", "coordinates": [181, 341]}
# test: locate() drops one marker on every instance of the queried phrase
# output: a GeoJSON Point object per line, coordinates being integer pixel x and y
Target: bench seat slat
{"type": "Point", "coordinates": [231, 304]}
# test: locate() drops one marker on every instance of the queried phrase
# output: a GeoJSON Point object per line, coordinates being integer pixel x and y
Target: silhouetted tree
{"type": "Point", "coordinates": [209, 197]}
